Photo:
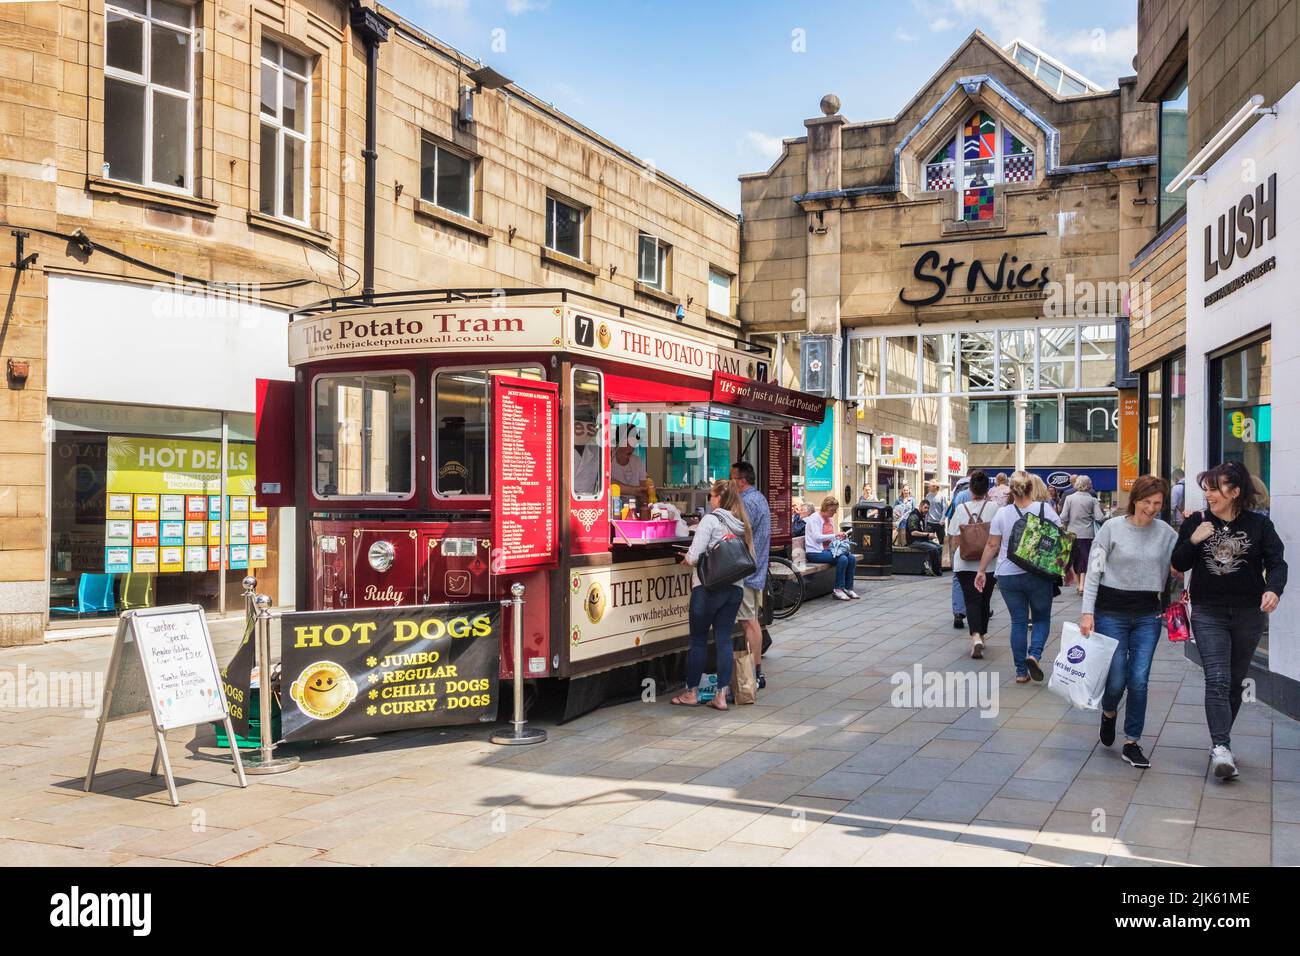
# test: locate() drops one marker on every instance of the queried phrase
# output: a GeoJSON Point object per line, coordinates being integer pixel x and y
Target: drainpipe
{"type": "Point", "coordinates": [372, 30]}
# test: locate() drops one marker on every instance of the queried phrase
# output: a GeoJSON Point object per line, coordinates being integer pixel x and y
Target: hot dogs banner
{"type": "Point", "coordinates": [164, 511]}
{"type": "Point", "coordinates": [374, 670]}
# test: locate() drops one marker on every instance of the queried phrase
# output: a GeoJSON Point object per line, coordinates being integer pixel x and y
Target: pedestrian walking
{"type": "Point", "coordinates": [1238, 574]}
{"type": "Point", "coordinates": [760, 523]}
{"type": "Point", "coordinates": [960, 494]}
{"type": "Point", "coordinates": [1124, 600]}
{"type": "Point", "coordinates": [713, 611]}
{"type": "Point", "coordinates": [1000, 493]}
{"type": "Point", "coordinates": [1080, 515]}
{"type": "Point", "coordinates": [934, 519]}
{"type": "Point", "coordinates": [824, 544]}
{"type": "Point", "coordinates": [968, 532]}
{"type": "Point", "coordinates": [917, 532]}
{"type": "Point", "coordinates": [1024, 593]}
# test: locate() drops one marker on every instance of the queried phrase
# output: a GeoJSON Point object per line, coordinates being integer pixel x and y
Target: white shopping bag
{"type": "Point", "coordinates": [1080, 669]}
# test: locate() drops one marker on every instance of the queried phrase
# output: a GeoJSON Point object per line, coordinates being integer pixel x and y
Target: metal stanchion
{"type": "Point", "coordinates": [520, 734]}
{"type": "Point", "coordinates": [265, 761]}
{"type": "Point", "coordinates": [250, 595]}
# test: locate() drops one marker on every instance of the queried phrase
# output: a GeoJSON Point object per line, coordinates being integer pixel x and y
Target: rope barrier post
{"type": "Point", "coordinates": [265, 761]}
{"type": "Point", "coordinates": [521, 734]}
{"type": "Point", "coordinates": [250, 595]}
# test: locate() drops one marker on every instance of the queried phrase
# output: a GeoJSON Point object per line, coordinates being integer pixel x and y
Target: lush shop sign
{"type": "Point", "coordinates": [955, 280]}
{"type": "Point", "coordinates": [161, 465]}
{"type": "Point", "coordinates": [374, 670]}
{"type": "Point", "coordinates": [1241, 230]}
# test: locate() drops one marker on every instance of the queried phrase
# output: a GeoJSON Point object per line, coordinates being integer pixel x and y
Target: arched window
{"type": "Point", "coordinates": [990, 153]}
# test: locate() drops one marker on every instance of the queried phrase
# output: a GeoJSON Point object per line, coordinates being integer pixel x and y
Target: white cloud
{"type": "Point", "coordinates": [517, 7]}
{"type": "Point", "coordinates": [939, 24]}
{"type": "Point", "coordinates": [769, 147]}
{"type": "Point", "coordinates": [902, 36]}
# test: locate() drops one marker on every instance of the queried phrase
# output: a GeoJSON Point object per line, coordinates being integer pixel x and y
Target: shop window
{"type": "Point", "coordinates": [588, 406]}
{"type": "Point", "coordinates": [461, 419]}
{"type": "Point", "coordinates": [653, 256]}
{"type": "Point", "coordinates": [993, 421]}
{"type": "Point", "coordinates": [1172, 146]}
{"type": "Point", "coordinates": [447, 178]}
{"type": "Point", "coordinates": [1245, 410]}
{"type": "Point", "coordinates": [980, 154]}
{"type": "Point", "coordinates": [719, 292]}
{"type": "Point", "coordinates": [148, 93]}
{"type": "Point", "coordinates": [1092, 419]}
{"type": "Point", "coordinates": [564, 227]}
{"type": "Point", "coordinates": [285, 181]}
{"type": "Point", "coordinates": [679, 454]}
{"type": "Point", "coordinates": [363, 436]}
{"type": "Point", "coordinates": [1152, 406]}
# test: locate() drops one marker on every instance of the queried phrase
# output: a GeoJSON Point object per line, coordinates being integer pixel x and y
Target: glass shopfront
{"type": "Point", "coordinates": [1163, 398]}
{"type": "Point", "coordinates": [144, 511]}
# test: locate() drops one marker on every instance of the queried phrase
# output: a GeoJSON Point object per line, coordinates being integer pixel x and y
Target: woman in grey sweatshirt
{"type": "Point", "coordinates": [1123, 599]}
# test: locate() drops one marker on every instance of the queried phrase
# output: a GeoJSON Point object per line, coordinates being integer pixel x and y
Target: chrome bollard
{"type": "Point", "coordinates": [265, 761]}
{"type": "Point", "coordinates": [521, 734]}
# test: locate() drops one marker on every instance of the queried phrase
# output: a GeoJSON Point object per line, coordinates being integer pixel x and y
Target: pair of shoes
{"type": "Point", "coordinates": [758, 676]}
{"type": "Point", "coordinates": [1108, 728]}
{"type": "Point", "coordinates": [1035, 671]}
{"type": "Point", "coordinates": [977, 648]}
{"type": "Point", "coordinates": [1134, 756]}
{"type": "Point", "coordinates": [841, 595]}
{"type": "Point", "coordinates": [1221, 762]}
{"type": "Point", "coordinates": [958, 621]}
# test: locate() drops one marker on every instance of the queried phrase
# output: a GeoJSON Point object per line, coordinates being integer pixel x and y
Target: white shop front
{"type": "Point", "coordinates": [1243, 346]}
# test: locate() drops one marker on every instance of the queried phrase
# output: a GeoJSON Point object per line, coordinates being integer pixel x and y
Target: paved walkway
{"type": "Point", "coordinates": [824, 770]}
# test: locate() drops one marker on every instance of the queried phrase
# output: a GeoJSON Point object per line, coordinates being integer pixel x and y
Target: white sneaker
{"type": "Point", "coordinates": [1221, 762]}
{"type": "Point", "coordinates": [853, 594]}
{"type": "Point", "coordinates": [840, 595]}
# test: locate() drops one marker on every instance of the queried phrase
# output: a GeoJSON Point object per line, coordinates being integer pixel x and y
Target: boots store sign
{"type": "Point", "coordinates": [1241, 231]}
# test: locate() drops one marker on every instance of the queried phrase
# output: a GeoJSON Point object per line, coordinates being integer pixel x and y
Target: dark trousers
{"type": "Point", "coordinates": [1226, 638]}
{"type": "Point", "coordinates": [712, 612]}
{"type": "Point", "coordinates": [934, 554]}
{"type": "Point", "coordinates": [977, 604]}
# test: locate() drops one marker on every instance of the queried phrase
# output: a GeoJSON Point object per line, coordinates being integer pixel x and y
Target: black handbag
{"type": "Point", "coordinates": [728, 562]}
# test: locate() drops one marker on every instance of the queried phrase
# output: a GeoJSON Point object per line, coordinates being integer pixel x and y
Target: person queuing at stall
{"type": "Point", "coordinates": [824, 544]}
{"type": "Point", "coordinates": [1123, 600]}
{"type": "Point", "coordinates": [1024, 593]}
{"type": "Point", "coordinates": [713, 611]}
{"type": "Point", "coordinates": [917, 533]}
{"type": "Point", "coordinates": [1238, 574]}
{"type": "Point", "coordinates": [975, 511]}
{"type": "Point", "coordinates": [760, 522]}
{"type": "Point", "coordinates": [1081, 514]}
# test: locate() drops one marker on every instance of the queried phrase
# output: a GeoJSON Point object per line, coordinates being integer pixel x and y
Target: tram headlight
{"type": "Point", "coordinates": [381, 556]}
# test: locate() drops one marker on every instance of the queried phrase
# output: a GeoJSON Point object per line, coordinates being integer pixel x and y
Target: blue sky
{"type": "Point", "coordinates": [707, 90]}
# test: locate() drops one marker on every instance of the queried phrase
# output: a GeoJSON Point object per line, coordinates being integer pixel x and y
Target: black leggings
{"type": "Point", "coordinates": [977, 603]}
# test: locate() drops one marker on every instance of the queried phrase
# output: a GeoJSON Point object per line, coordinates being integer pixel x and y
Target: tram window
{"type": "Point", "coordinates": [363, 435]}
{"type": "Point", "coordinates": [460, 428]}
{"type": "Point", "coordinates": [588, 452]}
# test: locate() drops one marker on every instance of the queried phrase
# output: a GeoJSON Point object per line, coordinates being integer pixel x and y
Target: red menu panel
{"type": "Point", "coordinates": [524, 474]}
{"type": "Point", "coordinates": [776, 456]}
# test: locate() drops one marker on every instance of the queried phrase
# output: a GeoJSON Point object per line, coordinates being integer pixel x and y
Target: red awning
{"type": "Point", "coordinates": [656, 388]}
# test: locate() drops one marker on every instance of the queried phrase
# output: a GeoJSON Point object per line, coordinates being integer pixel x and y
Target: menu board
{"type": "Point", "coordinates": [524, 486]}
{"type": "Point", "coordinates": [175, 673]}
{"type": "Point", "coordinates": [776, 458]}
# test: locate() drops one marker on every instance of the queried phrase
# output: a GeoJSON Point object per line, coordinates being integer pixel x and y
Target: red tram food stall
{"type": "Point", "coordinates": [440, 446]}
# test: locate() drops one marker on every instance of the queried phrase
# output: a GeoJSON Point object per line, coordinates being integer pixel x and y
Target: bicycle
{"type": "Point", "coordinates": [783, 592]}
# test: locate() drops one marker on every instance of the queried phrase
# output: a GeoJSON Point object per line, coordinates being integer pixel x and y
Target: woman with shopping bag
{"type": "Point", "coordinates": [1122, 598]}
{"type": "Point", "coordinates": [1024, 592]}
{"type": "Point", "coordinates": [969, 529]}
{"type": "Point", "coordinates": [714, 604]}
{"type": "Point", "coordinates": [1238, 574]}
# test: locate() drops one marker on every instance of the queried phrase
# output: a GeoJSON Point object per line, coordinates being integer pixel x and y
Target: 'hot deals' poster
{"type": "Point", "coordinates": [373, 670]}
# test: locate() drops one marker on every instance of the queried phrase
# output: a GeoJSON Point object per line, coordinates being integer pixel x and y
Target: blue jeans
{"type": "Point", "coordinates": [846, 567]}
{"type": "Point", "coordinates": [712, 612]}
{"type": "Point", "coordinates": [958, 599]}
{"type": "Point", "coordinates": [1023, 594]}
{"type": "Point", "coordinates": [1130, 668]}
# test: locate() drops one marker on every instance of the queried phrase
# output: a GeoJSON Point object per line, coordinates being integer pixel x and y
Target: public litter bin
{"type": "Point", "coordinates": [873, 538]}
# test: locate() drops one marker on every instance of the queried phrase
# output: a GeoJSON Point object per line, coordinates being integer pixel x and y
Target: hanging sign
{"type": "Point", "coordinates": [524, 474]}
{"type": "Point", "coordinates": [819, 450]}
{"type": "Point", "coordinates": [371, 670]}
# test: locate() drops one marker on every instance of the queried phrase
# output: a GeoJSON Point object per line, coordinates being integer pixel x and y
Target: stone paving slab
{"type": "Point", "coordinates": [831, 767]}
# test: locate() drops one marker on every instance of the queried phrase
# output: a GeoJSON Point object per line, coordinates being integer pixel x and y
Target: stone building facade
{"type": "Point", "coordinates": [173, 240]}
{"type": "Point", "coordinates": [990, 206]}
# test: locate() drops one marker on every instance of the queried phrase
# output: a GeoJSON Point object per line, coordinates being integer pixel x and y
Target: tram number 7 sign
{"type": "Point", "coordinates": [525, 474]}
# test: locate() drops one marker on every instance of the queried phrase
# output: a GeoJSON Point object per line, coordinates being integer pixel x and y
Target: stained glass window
{"type": "Point", "coordinates": [939, 170]}
{"type": "Point", "coordinates": [1017, 159]}
{"type": "Point", "coordinates": [990, 154]}
{"type": "Point", "coordinates": [979, 151]}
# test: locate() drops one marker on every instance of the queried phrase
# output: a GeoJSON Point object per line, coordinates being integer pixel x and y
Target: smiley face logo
{"type": "Point", "coordinates": [594, 605]}
{"type": "Point", "coordinates": [602, 333]}
{"type": "Point", "coordinates": [323, 690]}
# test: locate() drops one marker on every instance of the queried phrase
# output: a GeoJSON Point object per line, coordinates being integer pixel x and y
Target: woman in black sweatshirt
{"type": "Point", "coordinates": [1238, 574]}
